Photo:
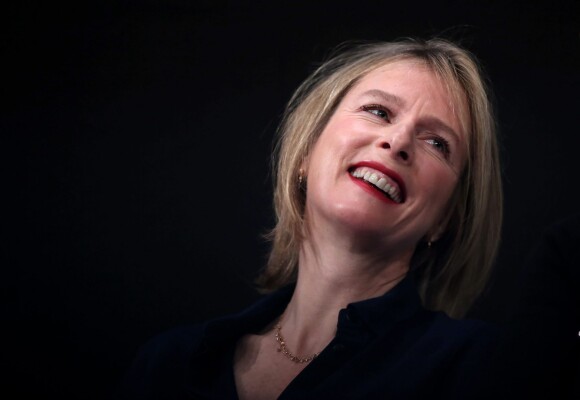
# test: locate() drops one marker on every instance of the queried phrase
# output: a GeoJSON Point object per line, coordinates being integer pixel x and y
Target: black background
{"type": "Point", "coordinates": [137, 141]}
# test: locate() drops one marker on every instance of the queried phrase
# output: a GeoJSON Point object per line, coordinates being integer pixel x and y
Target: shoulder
{"type": "Point", "coordinates": [172, 362]}
{"type": "Point", "coordinates": [439, 342]}
{"type": "Point", "coordinates": [468, 347]}
{"type": "Point", "coordinates": [160, 362]}
{"type": "Point", "coordinates": [173, 344]}
{"type": "Point", "coordinates": [468, 332]}
{"type": "Point", "coordinates": [465, 346]}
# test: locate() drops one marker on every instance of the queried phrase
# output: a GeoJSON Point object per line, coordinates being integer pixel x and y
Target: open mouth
{"type": "Point", "coordinates": [379, 180]}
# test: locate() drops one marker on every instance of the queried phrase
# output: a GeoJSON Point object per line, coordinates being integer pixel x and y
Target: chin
{"type": "Point", "coordinates": [361, 221]}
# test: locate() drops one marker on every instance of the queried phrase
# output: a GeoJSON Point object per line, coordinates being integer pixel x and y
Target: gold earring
{"type": "Point", "coordinates": [300, 176]}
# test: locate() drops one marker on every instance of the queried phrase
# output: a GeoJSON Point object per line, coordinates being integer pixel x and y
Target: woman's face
{"type": "Point", "coordinates": [387, 163]}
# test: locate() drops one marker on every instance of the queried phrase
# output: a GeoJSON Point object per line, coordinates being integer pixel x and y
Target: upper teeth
{"type": "Point", "coordinates": [379, 180]}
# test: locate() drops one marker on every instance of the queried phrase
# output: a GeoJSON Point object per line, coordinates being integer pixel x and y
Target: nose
{"type": "Point", "coordinates": [400, 144]}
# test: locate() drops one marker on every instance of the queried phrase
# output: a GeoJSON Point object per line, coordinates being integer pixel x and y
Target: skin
{"type": "Point", "coordinates": [359, 245]}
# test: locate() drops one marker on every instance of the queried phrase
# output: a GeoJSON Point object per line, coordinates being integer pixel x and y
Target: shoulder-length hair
{"type": "Point", "coordinates": [453, 272]}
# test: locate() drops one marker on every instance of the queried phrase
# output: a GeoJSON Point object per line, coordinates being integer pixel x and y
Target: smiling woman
{"type": "Point", "coordinates": [388, 201]}
{"type": "Point", "coordinates": [454, 272]}
{"type": "Point", "coordinates": [393, 147]}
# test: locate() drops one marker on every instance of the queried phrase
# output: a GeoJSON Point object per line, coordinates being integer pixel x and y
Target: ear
{"type": "Point", "coordinates": [304, 166]}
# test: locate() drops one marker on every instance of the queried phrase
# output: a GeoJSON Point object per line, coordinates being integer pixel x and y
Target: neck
{"type": "Point", "coordinates": [331, 276]}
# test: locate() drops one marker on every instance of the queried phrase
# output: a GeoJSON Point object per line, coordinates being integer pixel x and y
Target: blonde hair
{"type": "Point", "coordinates": [453, 272]}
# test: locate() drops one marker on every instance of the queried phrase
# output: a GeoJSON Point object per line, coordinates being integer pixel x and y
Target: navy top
{"type": "Point", "coordinates": [387, 347]}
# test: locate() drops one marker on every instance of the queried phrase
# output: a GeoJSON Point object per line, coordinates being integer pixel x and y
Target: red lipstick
{"type": "Point", "coordinates": [368, 187]}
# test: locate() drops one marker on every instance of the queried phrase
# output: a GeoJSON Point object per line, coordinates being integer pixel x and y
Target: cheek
{"type": "Point", "coordinates": [333, 146]}
{"type": "Point", "coordinates": [345, 131]}
{"type": "Point", "coordinates": [440, 185]}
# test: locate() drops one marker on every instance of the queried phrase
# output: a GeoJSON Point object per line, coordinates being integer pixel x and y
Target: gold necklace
{"type": "Point", "coordinates": [284, 350]}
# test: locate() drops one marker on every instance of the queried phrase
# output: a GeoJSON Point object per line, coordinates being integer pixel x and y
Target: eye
{"type": "Point", "coordinates": [439, 144]}
{"type": "Point", "coordinates": [378, 110]}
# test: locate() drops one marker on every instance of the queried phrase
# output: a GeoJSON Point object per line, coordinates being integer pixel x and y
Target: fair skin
{"type": "Point", "coordinates": [397, 123]}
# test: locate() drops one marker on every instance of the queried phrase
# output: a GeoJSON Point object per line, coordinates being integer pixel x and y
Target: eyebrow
{"type": "Point", "coordinates": [398, 101]}
{"type": "Point", "coordinates": [385, 96]}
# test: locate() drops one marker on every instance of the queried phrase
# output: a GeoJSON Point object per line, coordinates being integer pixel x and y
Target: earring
{"type": "Point", "coordinates": [300, 176]}
{"type": "Point", "coordinates": [429, 244]}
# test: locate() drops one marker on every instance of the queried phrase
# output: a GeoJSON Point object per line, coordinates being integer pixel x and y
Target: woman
{"type": "Point", "coordinates": [388, 201]}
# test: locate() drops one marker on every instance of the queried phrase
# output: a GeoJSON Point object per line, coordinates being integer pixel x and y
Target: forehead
{"type": "Point", "coordinates": [413, 80]}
